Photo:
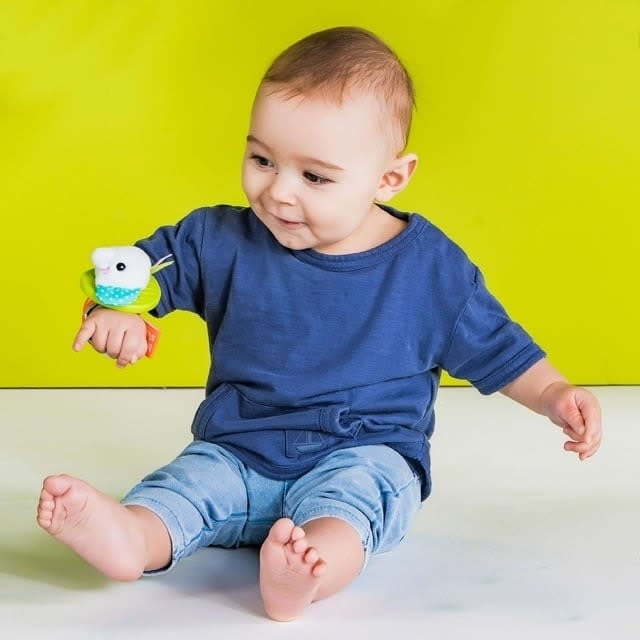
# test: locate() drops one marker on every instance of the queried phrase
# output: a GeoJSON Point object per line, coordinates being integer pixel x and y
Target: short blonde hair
{"type": "Point", "coordinates": [332, 63]}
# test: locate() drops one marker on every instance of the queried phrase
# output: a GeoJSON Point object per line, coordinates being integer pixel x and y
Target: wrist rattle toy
{"type": "Point", "coordinates": [122, 278]}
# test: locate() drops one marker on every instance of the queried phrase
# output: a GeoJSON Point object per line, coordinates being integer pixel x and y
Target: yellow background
{"type": "Point", "coordinates": [116, 117]}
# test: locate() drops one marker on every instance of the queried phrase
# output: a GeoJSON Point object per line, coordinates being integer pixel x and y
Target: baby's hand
{"type": "Point", "coordinates": [121, 335]}
{"type": "Point", "coordinates": [577, 411]}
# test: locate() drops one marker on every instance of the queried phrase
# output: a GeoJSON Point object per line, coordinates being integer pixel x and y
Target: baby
{"type": "Point", "coordinates": [331, 316]}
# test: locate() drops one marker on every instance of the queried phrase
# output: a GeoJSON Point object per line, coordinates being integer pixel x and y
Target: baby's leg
{"type": "Point", "coordinates": [299, 565]}
{"type": "Point", "coordinates": [120, 541]}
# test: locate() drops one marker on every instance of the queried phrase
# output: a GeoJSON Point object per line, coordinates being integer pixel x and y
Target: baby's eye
{"type": "Point", "coordinates": [260, 160]}
{"type": "Point", "coordinates": [315, 179]}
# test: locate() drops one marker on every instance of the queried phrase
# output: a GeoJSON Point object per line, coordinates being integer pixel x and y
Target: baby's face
{"type": "Point", "coordinates": [312, 170]}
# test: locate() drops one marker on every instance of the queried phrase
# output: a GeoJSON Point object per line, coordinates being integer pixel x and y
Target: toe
{"type": "Point", "coordinates": [44, 520]}
{"type": "Point", "coordinates": [58, 516]}
{"type": "Point", "coordinates": [300, 546]}
{"type": "Point", "coordinates": [319, 569]}
{"type": "Point", "coordinates": [311, 556]}
{"type": "Point", "coordinates": [56, 485]}
{"type": "Point", "coordinates": [281, 531]}
{"type": "Point", "coordinates": [298, 533]}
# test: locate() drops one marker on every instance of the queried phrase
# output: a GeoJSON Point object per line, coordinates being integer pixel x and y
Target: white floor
{"type": "Point", "coordinates": [519, 539]}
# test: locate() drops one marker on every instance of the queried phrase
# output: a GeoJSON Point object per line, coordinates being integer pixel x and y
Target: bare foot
{"type": "Point", "coordinates": [99, 529]}
{"type": "Point", "coordinates": [290, 571]}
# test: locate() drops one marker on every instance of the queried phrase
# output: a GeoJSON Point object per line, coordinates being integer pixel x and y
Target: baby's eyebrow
{"type": "Point", "coordinates": [307, 159]}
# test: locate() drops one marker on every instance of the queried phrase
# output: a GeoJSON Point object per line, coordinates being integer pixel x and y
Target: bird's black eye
{"type": "Point", "coordinates": [121, 266]}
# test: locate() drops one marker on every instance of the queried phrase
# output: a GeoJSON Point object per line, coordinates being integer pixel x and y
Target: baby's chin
{"type": "Point", "coordinates": [293, 244]}
{"type": "Point", "coordinates": [296, 241]}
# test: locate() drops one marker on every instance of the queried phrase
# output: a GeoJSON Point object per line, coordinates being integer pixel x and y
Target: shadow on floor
{"type": "Point", "coordinates": [38, 559]}
{"type": "Point", "coordinates": [228, 575]}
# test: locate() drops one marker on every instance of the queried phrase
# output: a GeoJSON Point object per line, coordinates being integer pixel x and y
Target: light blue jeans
{"type": "Point", "coordinates": [207, 497]}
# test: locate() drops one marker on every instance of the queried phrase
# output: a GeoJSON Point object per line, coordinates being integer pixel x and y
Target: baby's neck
{"type": "Point", "coordinates": [379, 227]}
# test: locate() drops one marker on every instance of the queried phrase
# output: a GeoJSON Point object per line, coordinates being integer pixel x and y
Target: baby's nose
{"type": "Point", "coordinates": [282, 188]}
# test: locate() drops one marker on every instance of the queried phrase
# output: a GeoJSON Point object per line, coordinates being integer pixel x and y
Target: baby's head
{"type": "Point", "coordinates": [344, 63]}
{"type": "Point", "coordinates": [328, 127]}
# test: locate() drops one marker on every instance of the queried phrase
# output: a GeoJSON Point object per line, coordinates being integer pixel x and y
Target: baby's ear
{"type": "Point", "coordinates": [397, 177]}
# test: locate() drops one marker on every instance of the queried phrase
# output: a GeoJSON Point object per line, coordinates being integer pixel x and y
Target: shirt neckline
{"type": "Point", "coordinates": [364, 259]}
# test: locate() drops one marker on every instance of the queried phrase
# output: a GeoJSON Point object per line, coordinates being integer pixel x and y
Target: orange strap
{"type": "Point", "coordinates": [153, 333]}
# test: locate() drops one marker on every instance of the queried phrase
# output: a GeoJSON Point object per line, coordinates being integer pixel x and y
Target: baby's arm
{"type": "Point", "coordinates": [123, 336]}
{"type": "Point", "coordinates": [544, 390]}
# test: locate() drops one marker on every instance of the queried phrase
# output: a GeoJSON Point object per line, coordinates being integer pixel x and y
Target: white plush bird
{"type": "Point", "coordinates": [121, 274]}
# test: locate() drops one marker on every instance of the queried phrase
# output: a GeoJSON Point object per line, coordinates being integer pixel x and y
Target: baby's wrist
{"type": "Point", "coordinates": [89, 307]}
{"type": "Point", "coordinates": [549, 396]}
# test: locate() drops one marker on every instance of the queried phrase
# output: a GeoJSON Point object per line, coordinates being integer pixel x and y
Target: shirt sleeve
{"type": "Point", "coordinates": [487, 348]}
{"type": "Point", "coordinates": [181, 282]}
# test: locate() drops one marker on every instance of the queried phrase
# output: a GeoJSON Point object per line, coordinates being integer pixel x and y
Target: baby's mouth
{"type": "Point", "coordinates": [289, 224]}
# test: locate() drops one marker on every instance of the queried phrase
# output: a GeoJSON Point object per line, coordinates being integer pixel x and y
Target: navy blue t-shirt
{"type": "Point", "coordinates": [313, 353]}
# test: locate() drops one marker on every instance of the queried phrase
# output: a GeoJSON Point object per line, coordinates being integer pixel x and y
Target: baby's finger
{"type": "Point", "coordinates": [114, 344]}
{"type": "Point", "coordinates": [574, 447]}
{"type": "Point", "coordinates": [575, 421]}
{"type": "Point", "coordinates": [99, 339]}
{"type": "Point", "coordinates": [132, 349]}
{"type": "Point", "coordinates": [583, 449]}
{"type": "Point", "coordinates": [574, 435]}
{"type": "Point", "coordinates": [592, 447]}
{"type": "Point", "coordinates": [591, 412]}
{"type": "Point", "coordinates": [588, 453]}
{"type": "Point", "coordinates": [84, 335]}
